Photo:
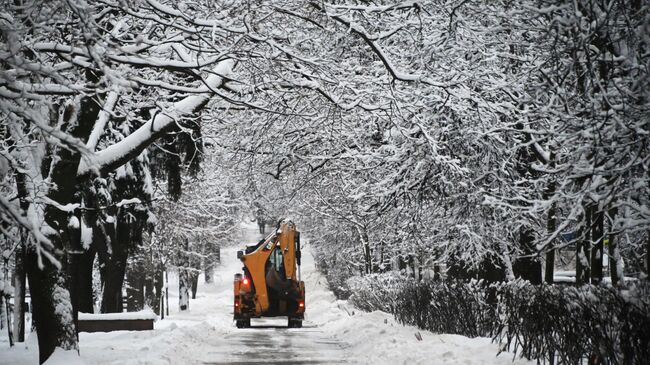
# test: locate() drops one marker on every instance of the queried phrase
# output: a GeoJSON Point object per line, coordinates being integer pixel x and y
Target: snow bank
{"type": "Point", "coordinates": [376, 338]}
{"type": "Point", "coordinates": [143, 314]}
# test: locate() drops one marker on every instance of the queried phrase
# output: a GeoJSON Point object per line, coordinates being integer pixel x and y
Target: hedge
{"type": "Point", "coordinates": [595, 324]}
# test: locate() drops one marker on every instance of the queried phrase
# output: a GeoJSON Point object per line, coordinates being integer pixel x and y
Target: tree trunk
{"type": "Point", "coordinates": [647, 257]}
{"type": "Point", "coordinates": [128, 234]}
{"type": "Point", "coordinates": [112, 295]}
{"type": "Point", "coordinates": [149, 297]}
{"type": "Point", "coordinates": [597, 250]}
{"type": "Point", "coordinates": [114, 268]}
{"type": "Point", "coordinates": [583, 249]}
{"type": "Point", "coordinates": [19, 270]}
{"type": "Point", "coordinates": [3, 315]}
{"type": "Point", "coordinates": [19, 293]}
{"type": "Point", "coordinates": [166, 292]}
{"type": "Point", "coordinates": [367, 258]}
{"type": "Point", "coordinates": [135, 287]}
{"type": "Point", "coordinates": [184, 284]}
{"type": "Point", "coordinates": [208, 272]}
{"type": "Point", "coordinates": [52, 305]}
{"type": "Point", "coordinates": [6, 318]}
{"type": "Point", "coordinates": [210, 260]}
{"type": "Point", "coordinates": [159, 284]}
{"type": "Point", "coordinates": [81, 273]}
{"type": "Point", "coordinates": [551, 225]}
{"type": "Point", "coordinates": [612, 248]}
{"type": "Point", "coordinates": [194, 277]}
{"type": "Point", "coordinates": [83, 298]}
{"type": "Point", "coordinates": [184, 280]}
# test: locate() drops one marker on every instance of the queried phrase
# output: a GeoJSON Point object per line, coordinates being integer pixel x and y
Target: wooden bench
{"type": "Point", "coordinates": [108, 322]}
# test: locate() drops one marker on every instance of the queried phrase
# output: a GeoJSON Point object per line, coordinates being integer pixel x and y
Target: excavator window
{"type": "Point", "coordinates": [277, 261]}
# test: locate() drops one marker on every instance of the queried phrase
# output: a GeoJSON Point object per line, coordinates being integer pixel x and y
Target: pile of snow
{"type": "Point", "coordinates": [146, 314]}
{"type": "Point", "coordinates": [376, 338]}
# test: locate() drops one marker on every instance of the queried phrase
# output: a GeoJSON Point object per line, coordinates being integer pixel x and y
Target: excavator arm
{"type": "Point", "coordinates": [255, 264]}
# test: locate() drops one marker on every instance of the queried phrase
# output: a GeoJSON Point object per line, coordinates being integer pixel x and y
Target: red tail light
{"type": "Point", "coordinates": [236, 304]}
{"type": "Point", "coordinates": [245, 281]}
{"type": "Point", "coordinates": [301, 304]}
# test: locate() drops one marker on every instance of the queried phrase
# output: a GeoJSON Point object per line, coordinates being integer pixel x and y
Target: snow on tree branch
{"type": "Point", "coordinates": [117, 154]}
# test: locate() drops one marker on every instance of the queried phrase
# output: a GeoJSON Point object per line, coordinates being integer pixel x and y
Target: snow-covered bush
{"type": "Point", "coordinates": [437, 306]}
{"type": "Point", "coordinates": [536, 321]}
{"type": "Point", "coordinates": [446, 307]}
{"type": "Point", "coordinates": [376, 291]}
{"type": "Point", "coordinates": [595, 322]}
{"type": "Point", "coordinates": [336, 270]}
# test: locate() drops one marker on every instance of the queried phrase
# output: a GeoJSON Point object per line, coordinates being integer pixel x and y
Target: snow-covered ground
{"type": "Point", "coordinates": [333, 332]}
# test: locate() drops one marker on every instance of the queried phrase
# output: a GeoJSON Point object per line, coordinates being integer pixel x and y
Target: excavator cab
{"type": "Point", "coordinates": [270, 284]}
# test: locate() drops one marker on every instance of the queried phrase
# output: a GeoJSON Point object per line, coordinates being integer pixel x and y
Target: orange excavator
{"type": "Point", "coordinates": [270, 285]}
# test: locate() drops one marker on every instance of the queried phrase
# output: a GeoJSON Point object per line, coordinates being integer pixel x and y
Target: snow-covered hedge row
{"type": "Point", "coordinates": [442, 307]}
{"type": "Point", "coordinates": [606, 325]}
{"type": "Point", "coordinates": [336, 271]}
{"type": "Point", "coordinates": [590, 322]}
{"type": "Point", "coordinates": [375, 291]}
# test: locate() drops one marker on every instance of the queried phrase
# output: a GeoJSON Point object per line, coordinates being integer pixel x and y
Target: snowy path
{"type": "Point", "coordinates": [333, 332]}
{"type": "Point", "coordinates": [268, 340]}
{"type": "Point", "coordinates": [271, 343]}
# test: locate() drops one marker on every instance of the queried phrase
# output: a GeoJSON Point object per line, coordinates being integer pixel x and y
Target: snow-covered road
{"type": "Point", "coordinates": [268, 340]}
{"type": "Point", "coordinates": [333, 332]}
{"type": "Point", "coordinates": [272, 343]}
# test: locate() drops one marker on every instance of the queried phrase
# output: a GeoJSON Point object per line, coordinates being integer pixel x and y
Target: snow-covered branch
{"type": "Point", "coordinates": [117, 154]}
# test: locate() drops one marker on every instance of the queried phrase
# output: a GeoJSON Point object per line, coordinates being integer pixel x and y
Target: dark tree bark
{"type": "Point", "coordinates": [212, 257]}
{"type": "Point", "coordinates": [80, 273]}
{"type": "Point", "coordinates": [549, 269]}
{"type": "Point", "coordinates": [136, 278]}
{"type": "Point", "coordinates": [194, 277]}
{"type": "Point", "coordinates": [19, 293]}
{"type": "Point", "coordinates": [184, 280]}
{"type": "Point", "coordinates": [19, 269]}
{"type": "Point", "coordinates": [5, 318]}
{"type": "Point", "coordinates": [367, 257]}
{"type": "Point", "coordinates": [184, 285]}
{"type": "Point", "coordinates": [612, 249]}
{"type": "Point", "coordinates": [83, 299]}
{"type": "Point", "coordinates": [208, 272]}
{"type": "Point", "coordinates": [583, 249]}
{"type": "Point", "coordinates": [528, 267]}
{"type": "Point", "coordinates": [52, 305]}
{"type": "Point", "coordinates": [115, 266]}
{"type": "Point", "coordinates": [173, 166]}
{"type": "Point", "coordinates": [149, 286]}
{"type": "Point", "coordinates": [551, 225]}
{"type": "Point", "coordinates": [598, 231]}
{"type": "Point", "coordinates": [159, 283]}
{"type": "Point", "coordinates": [647, 256]}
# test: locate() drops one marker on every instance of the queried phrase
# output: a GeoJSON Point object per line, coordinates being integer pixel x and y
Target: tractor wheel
{"type": "Point", "coordinates": [294, 323]}
{"type": "Point", "coordinates": [243, 323]}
